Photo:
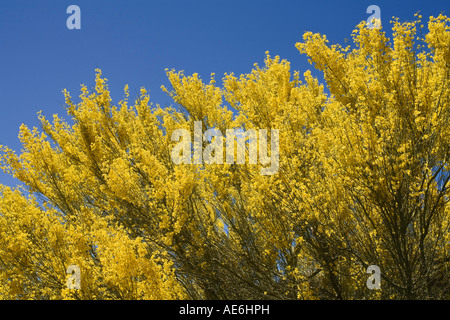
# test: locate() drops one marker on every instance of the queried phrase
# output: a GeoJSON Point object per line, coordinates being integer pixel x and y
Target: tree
{"type": "Point", "coordinates": [363, 179]}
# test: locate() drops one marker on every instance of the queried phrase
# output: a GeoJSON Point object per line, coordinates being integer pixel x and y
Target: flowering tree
{"type": "Point", "coordinates": [363, 179]}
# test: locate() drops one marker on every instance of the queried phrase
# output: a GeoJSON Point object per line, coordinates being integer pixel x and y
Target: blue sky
{"type": "Point", "coordinates": [134, 41]}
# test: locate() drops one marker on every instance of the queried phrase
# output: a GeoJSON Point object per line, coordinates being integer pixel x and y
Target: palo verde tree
{"type": "Point", "coordinates": [362, 179]}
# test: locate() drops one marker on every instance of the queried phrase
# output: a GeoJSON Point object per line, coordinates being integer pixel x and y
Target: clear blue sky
{"type": "Point", "coordinates": [134, 41]}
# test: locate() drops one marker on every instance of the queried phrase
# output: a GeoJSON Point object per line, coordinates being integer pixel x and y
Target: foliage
{"type": "Point", "coordinates": [363, 180]}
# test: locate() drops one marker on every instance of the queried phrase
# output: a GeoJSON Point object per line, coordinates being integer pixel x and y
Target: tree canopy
{"type": "Point", "coordinates": [363, 179]}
